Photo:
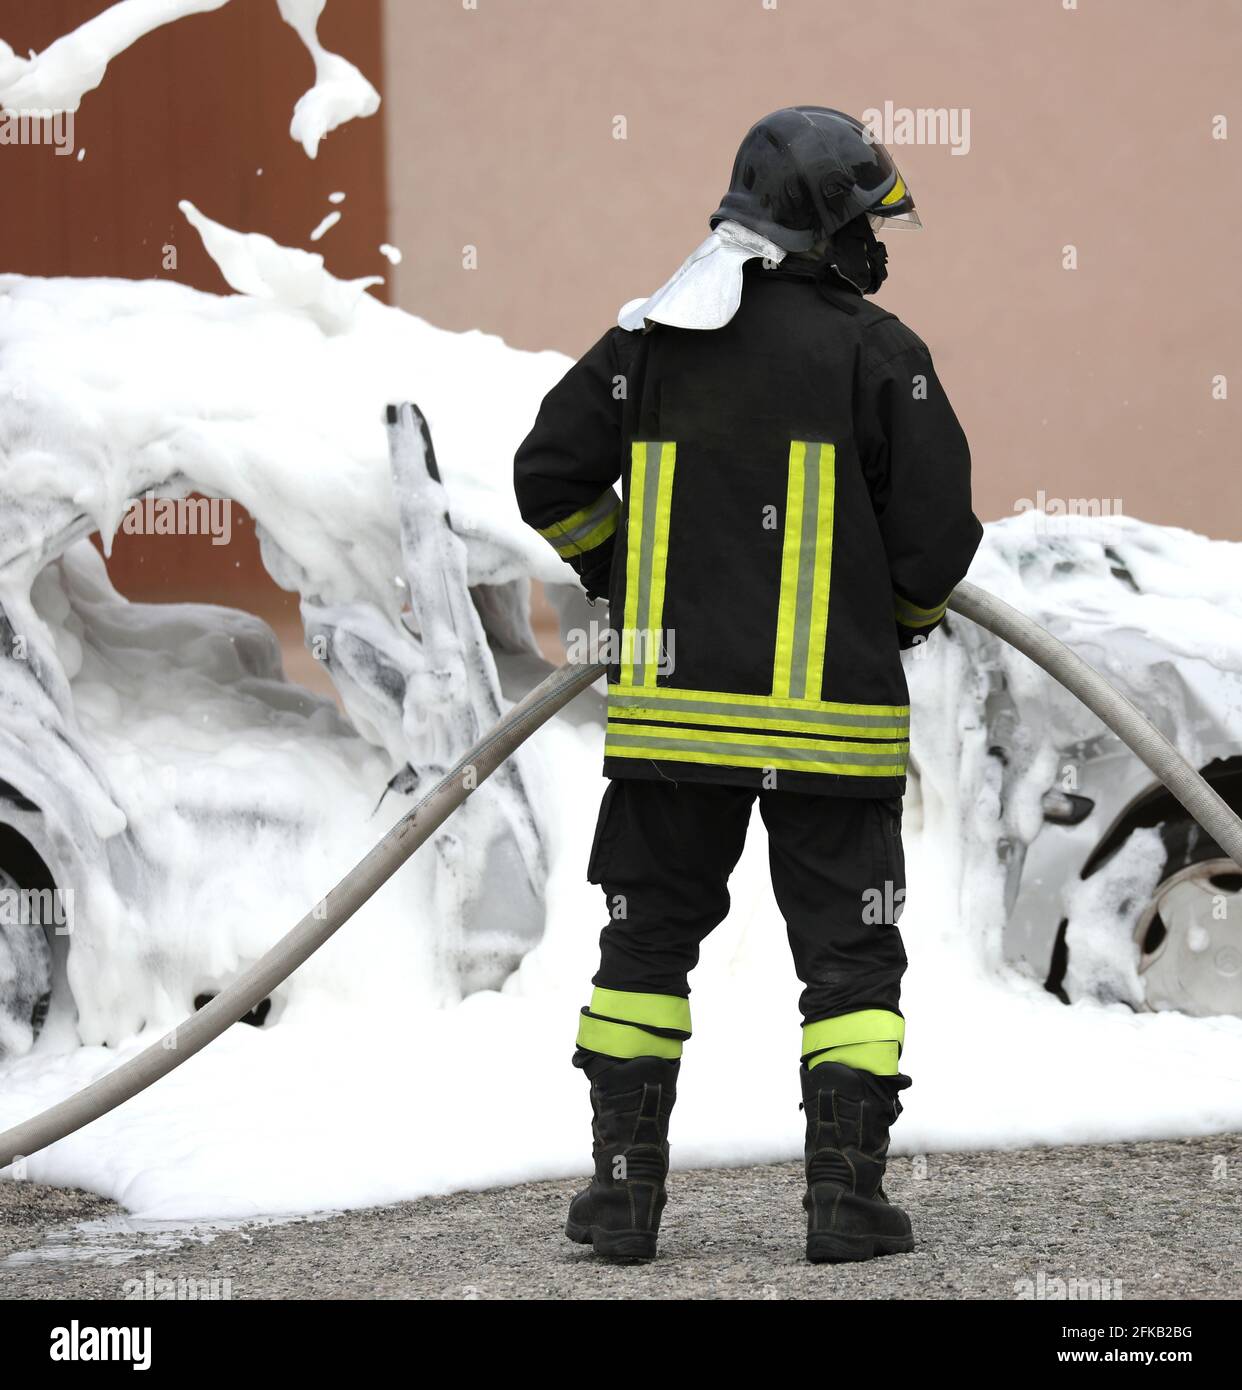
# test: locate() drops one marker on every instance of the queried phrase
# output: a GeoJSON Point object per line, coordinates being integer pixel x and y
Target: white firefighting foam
{"type": "Point", "coordinates": [373, 1079]}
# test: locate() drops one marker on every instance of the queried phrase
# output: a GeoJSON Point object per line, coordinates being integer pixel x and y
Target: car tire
{"type": "Point", "coordinates": [25, 974]}
{"type": "Point", "coordinates": [1189, 936]}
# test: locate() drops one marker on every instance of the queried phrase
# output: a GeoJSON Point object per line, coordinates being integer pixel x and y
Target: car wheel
{"type": "Point", "coordinates": [25, 973]}
{"type": "Point", "coordinates": [1190, 939]}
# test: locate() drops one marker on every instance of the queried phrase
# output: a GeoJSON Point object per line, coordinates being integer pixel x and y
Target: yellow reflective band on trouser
{"type": "Point", "coordinates": [722, 748]}
{"type": "Point", "coordinates": [911, 615]}
{"type": "Point", "coordinates": [724, 710]}
{"type": "Point", "coordinates": [653, 1010]}
{"type": "Point", "coordinates": [869, 1040]}
{"type": "Point", "coordinates": [623, 1040]}
{"type": "Point", "coordinates": [585, 529]}
{"type": "Point", "coordinates": [806, 571]}
{"type": "Point", "coordinates": [624, 1023]}
{"type": "Point", "coordinates": [646, 559]}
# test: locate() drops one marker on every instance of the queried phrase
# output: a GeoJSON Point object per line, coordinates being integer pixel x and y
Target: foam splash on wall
{"type": "Point", "coordinates": [76, 63]}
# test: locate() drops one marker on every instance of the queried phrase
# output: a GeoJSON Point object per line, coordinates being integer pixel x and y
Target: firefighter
{"type": "Point", "coordinates": [794, 510]}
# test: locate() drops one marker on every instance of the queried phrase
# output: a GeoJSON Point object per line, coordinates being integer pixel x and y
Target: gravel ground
{"type": "Point", "coordinates": [1161, 1218]}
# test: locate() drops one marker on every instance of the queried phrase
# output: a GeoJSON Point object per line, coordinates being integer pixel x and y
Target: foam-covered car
{"type": "Point", "coordinates": [1107, 887]}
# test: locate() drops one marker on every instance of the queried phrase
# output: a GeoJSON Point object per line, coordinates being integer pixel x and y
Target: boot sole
{"type": "Point", "coordinates": [824, 1249]}
{"type": "Point", "coordinates": [621, 1247]}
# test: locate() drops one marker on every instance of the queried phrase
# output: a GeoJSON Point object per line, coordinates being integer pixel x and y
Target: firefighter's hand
{"type": "Point", "coordinates": [595, 580]}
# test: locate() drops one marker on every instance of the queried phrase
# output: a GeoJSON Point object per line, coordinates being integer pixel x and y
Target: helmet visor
{"type": "Point", "coordinates": [896, 207]}
{"type": "Point", "coordinates": [892, 220]}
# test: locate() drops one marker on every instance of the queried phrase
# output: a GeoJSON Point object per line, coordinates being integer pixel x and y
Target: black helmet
{"type": "Point", "coordinates": [805, 171]}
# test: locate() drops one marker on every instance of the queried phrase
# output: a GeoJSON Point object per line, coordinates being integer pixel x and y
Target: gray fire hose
{"type": "Point", "coordinates": [415, 828]}
{"type": "Point", "coordinates": [420, 823]}
{"type": "Point", "coordinates": [1134, 729]}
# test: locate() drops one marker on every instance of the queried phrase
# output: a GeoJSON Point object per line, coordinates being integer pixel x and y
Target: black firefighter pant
{"type": "Point", "coordinates": [663, 853]}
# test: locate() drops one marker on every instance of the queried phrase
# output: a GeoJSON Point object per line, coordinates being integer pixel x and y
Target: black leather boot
{"type": "Point", "coordinates": [848, 1116]}
{"type": "Point", "coordinates": [619, 1214]}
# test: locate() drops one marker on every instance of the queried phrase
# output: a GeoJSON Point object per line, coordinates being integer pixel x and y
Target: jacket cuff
{"type": "Point", "coordinates": [908, 637]}
{"type": "Point", "coordinates": [910, 615]}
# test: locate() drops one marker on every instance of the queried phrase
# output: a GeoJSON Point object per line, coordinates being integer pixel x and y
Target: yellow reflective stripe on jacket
{"type": "Point", "coordinates": [724, 748]}
{"type": "Point", "coordinates": [773, 702]}
{"type": "Point", "coordinates": [791, 728]}
{"type": "Point", "coordinates": [622, 1040]}
{"type": "Point", "coordinates": [806, 571]}
{"type": "Point", "coordinates": [869, 1040]}
{"type": "Point", "coordinates": [585, 529]}
{"type": "Point", "coordinates": [646, 559]}
{"type": "Point", "coordinates": [722, 709]}
{"type": "Point", "coordinates": [655, 1010]}
{"type": "Point", "coordinates": [911, 615]}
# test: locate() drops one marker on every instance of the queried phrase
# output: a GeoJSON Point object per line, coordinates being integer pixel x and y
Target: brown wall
{"type": "Point", "coordinates": [193, 111]}
{"type": "Point", "coordinates": [1089, 126]}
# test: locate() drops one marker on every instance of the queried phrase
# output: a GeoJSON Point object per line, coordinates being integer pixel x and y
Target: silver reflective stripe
{"type": "Point", "coordinates": [622, 741]}
{"type": "Point", "coordinates": [739, 711]}
{"type": "Point", "coordinates": [600, 511]}
{"type": "Point", "coordinates": [585, 529]}
{"type": "Point", "coordinates": [806, 577]}
{"type": "Point", "coordinates": [650, 498]}
{"type": "Point", "coordinates": [911, 615]}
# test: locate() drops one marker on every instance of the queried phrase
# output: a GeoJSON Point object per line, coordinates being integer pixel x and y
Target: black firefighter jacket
{"type": "Point", "coordinates": [795, 508]}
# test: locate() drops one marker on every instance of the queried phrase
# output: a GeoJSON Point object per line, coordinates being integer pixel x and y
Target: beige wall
{"type": "Point", "coordinates": [1089, 126]}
